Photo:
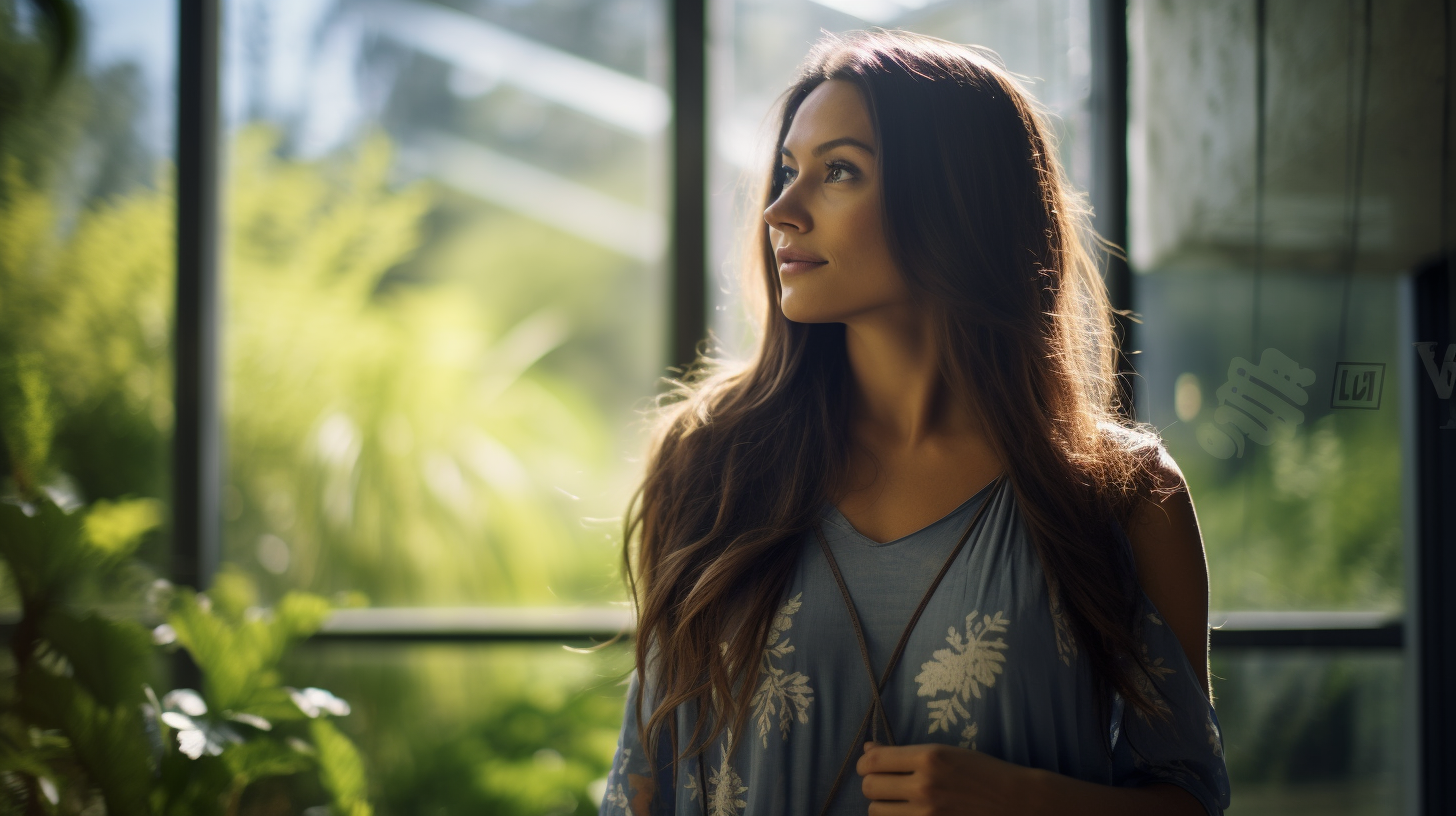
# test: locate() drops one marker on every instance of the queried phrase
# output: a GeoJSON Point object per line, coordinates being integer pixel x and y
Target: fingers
{"type": "Point", "coordinates": [895, 758]}
{"type": "Point", "coordinates": [883, 787]}
{"type": "Point", "coordinates": [932, 758]}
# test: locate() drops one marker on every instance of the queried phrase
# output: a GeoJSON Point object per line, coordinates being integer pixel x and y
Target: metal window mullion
{"type": "Point", "coordinates": [196, 446]}
{"type": "Point", "coordinates": [490, 624]}
{"type": "Point", "coordinates": [1435, 570]}
{"type": "Point", "coordinates": [1383, 637]}
{"type": "Point", "coordinates": [1432, 299]}
{"type": "Point", "coordinates": [1108, 195]}
{"type": "Point", "coordinates": [687, 280]}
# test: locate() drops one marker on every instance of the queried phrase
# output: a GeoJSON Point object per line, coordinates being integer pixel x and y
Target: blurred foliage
{"type": "Point", "coordinates": [390, 426]}
{"type": "Point", "coordinates": [380, 396]}
{"type": "Point", "coordinates": [377, 416]}
{"type": "Point", "coordinates": [366, 412]}
{"type": "Point", "coordinates": [1313, 731]}
{"type": "Point", "coordinates": [501, 729]}
{"type": "Point", "coordinates": [58, 34]}
{"type": "Point", "coordinates": [81, 730]}
{"type": "Point", "coordinates": [1311, 522]}
{"type": "Point", "coordinates": [79, 723]}
{"type": "Point", "coordinates": [361, 415]}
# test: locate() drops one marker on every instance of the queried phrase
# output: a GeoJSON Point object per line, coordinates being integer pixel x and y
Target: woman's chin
{"type": "Point", "coordinates": [797, 311]}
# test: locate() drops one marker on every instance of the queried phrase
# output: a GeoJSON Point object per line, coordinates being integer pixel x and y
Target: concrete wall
{"type": "Point", "coordinates": [1192, 134]}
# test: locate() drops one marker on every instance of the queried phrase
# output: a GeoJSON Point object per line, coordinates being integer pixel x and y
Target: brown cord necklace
{"type": "Point", "coordinates": [875, 717]}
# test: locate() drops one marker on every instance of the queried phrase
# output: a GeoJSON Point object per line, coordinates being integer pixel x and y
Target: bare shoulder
{"type": "Point", "coordinates": [1168, 549]}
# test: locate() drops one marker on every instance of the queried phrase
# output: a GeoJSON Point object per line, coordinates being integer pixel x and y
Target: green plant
{"type": "Point", "coordinates": [80, 721]}
{"type": "Point", "coordinates": [476, 728]}
{"type": "Point", "coordinates": [71, 697]}
{"type": "Point", "coordinates": [245, 725]}
{"type": "Point", "coordinates": [394, 429]}
{"type": "Point", "coordinates": [408, 383]}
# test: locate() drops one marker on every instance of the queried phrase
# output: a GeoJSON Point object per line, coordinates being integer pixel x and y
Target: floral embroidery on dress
{"type": "Point", "coordinates": [786, 695]}
{"type": "Point", "coordinates": [972, 661]}
{"type": "Point", "coordinates": [1174, 771]}
{"type": "Point", "coordinates": [1066, 644]}
{"type": "Point", "coordinates": [1215, 740]}
{"type": "Point", "coordinates": [968, 736]}
{"type": "Point", "coordinates": [725, 789]}
{"type": "Point", "coordinates": [617, 798]}
{"type": "Point", "coordinates": [1152, 670]}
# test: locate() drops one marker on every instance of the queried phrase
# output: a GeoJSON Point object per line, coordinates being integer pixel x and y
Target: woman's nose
{"type": "Point", "coordinates": [784, 214]}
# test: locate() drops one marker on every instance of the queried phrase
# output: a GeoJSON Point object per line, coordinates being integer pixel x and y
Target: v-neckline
{"type": "Point", "coordinates": [840, 520]}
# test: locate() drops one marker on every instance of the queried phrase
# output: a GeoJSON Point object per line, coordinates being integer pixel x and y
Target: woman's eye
{"type": "Point", "coordinates": [836, 170]}
{"type": "Point", "coordinates": [786, 174]}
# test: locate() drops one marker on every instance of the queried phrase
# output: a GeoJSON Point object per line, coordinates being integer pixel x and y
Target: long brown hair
{"type": "Point", "coordinates": [997, 246]}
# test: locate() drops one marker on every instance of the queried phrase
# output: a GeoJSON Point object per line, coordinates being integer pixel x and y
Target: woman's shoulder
{"type": "Point", "coordinates": [1132, 436]}
{"type": "Point", "coordinates": [1160, 508]}
{"type": "Point", "coordinates": [1155, 471]}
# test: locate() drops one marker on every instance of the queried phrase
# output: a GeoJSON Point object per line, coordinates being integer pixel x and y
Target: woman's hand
{"type": "Point", "coordinates": [921, 780]}
{"type": "Point", "coordinates": [942, 780]}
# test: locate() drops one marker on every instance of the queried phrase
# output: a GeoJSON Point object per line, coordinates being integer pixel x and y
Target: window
{"type": "Point", "coordinates": [444, 304]}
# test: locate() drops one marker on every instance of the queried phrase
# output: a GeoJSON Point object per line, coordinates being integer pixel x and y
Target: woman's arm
{"type": "Point", "coordinates": [630, 785]}
{"type": "Point", "coordinates": [1171, 567]}
{"type": "Point", "coordinates": [943, 780]}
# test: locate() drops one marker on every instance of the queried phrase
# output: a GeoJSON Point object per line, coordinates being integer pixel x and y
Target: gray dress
{"type": "Point", "coordinates": [991, 665]}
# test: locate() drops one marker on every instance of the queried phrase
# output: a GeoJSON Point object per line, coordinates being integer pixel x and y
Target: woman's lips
{"type": "Point", "coordinates": [790, 267]}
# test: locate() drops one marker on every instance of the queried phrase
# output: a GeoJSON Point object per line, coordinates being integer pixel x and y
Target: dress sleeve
{"type": "Point", "coordinates": [635, 783]}
{"type": "Point", "coordinates": [1184, 746]}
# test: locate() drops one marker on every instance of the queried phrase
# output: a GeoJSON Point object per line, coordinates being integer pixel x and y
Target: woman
{"type": "Point", "coordinates": [883, 567]}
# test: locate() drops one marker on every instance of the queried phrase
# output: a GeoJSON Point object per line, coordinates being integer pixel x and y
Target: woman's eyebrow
{"type": "Point", "coordinates": [833, 143]}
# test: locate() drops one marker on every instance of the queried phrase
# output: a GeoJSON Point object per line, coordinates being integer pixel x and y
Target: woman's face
{"type": "Point", "coordinates": [828, 213]}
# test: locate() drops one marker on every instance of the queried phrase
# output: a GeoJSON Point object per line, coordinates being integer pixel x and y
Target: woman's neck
{"type": "Point", "coordinates": [901, 398]}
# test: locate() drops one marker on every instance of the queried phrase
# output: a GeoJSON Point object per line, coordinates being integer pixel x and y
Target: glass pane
{"type": "Point", "coordinates": [471, 729]}
{"type": "Point", "coordinates": [444, 292]}
{"type": "Point", "coordinates": [1272, 349]}
{"type": "Point", "coordinates": [1312, 732]}
{"type": "Point", "coordinates": [86, 268]}
{"type": "Point", "coordinates": [757, 45]}
{"type": "Point", "coordinates": [1313, 519]}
